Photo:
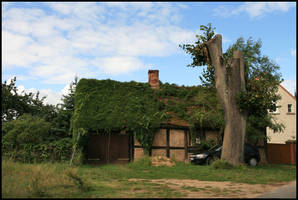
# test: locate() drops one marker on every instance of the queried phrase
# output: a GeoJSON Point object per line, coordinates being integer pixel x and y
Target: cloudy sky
{"type": "Point", "coordinates": [46, 44]}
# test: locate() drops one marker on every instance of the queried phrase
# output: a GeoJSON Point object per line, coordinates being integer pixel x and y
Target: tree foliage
{"type": "Point", "coordinates": [198, 51]}
{"type": "Point", "coordinates": [32, 130]}
{"type": "Point", "coordinates": [63, 121]}
{"type": "Point", "coordinates": [26, 129]}
{"type": "Point", "coordinates": [262, 80]}
{"type": "Point", "coordinates": [200, 56]}
{"type": "Point", "coordinates": [27, 139]}
{"type": "Point", "coordinates": [15, 104]}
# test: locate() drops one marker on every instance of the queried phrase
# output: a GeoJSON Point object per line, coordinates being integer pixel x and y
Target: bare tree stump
{"type": "Point", "coordinates": [229, 81]}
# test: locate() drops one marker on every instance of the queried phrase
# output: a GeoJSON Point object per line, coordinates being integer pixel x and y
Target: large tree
{"type": "Point", "coordinates": [63, 121]}
{"type": "Point", "coordinates": [257, 96]}
{"type": "Point", "coordinates": [15, 103]}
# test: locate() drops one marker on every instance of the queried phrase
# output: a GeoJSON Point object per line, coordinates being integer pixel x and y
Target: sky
{"type": "Point", "coordinates": [46, 44]}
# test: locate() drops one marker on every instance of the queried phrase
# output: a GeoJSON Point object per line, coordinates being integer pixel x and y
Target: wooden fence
{"type": "Point", "coordinates": [281, 153]}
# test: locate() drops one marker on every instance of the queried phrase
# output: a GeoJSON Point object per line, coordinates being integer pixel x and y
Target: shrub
{"type": "Point", "coordinates": [144, 161]}
{"type": "Point", "coordinates": [25, 130]}
{"type": "Point", "coordinates": [221, 164]}
{"type": "Point", "coordinates": [241, 166]}
{"type": "Point", "coordinates": [26, 140]}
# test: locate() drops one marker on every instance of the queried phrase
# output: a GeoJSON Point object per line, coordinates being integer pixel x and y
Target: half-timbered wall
{"type": "Point", "coordinates": [169, 142]}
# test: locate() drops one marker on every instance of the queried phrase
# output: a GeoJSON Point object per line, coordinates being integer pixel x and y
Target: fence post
{"type": "Point", "coordinates": [292, 145]}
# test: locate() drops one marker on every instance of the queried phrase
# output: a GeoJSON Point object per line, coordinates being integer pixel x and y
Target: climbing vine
{"type": "Point", "coordinates": [107, 105]}
{"type": "Point", "coordinates": [104, 106]}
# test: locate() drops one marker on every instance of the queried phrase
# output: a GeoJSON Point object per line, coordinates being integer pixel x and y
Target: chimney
{"type": "Point", "coordinates": [153, 79]}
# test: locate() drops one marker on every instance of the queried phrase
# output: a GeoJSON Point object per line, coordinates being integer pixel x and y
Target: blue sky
{"type": "Point", "coordinates": [46, 44]}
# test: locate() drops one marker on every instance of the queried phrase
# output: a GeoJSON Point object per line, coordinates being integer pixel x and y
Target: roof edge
{"type": "Point", "coordinates": [287, 92]}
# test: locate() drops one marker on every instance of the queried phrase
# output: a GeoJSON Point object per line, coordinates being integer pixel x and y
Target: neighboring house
{"type": "Point", "coordinates": [286, 114]}
{"type": "Point", "coordinates": [281, 147]}
{"type": "Point", "coordinates": [94, 111]}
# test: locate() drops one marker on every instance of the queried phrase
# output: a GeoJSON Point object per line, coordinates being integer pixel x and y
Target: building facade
{"type": "Point", "coordinates": [285, 113]}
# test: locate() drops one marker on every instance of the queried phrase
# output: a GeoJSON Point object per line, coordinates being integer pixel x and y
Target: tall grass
{"type": "Point", "coordinates": [39, 180]}
{"type": "Point", "coordinates": [61, 180]}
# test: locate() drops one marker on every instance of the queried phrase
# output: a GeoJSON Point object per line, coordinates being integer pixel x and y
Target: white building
{"type": "Point", "coordinates": [285, 114]}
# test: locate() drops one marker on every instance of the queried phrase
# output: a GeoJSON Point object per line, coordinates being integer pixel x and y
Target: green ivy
{"type": "Point", "coordinates": [103, 106]}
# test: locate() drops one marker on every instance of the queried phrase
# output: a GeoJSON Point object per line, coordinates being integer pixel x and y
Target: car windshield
{"type": "Point", "coordinates": [216, 148]}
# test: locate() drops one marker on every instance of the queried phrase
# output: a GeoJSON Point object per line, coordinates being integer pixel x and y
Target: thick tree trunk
{"type": "Point", "coordinates": [229, 81]}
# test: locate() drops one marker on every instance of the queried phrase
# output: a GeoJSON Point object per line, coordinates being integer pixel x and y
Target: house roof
{"type": "Point", "coordinates": [287, 92]}
{"type": "Point", "coordinates": [108, 104]}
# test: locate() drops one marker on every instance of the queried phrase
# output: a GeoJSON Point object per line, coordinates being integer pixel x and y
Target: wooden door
{"type": "Point", "coordinates": [97, 149]}
{"type": "Point", "coordinates": [105, 149]}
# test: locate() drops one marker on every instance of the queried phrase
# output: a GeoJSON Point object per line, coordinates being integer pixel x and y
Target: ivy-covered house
{"type": "Point", "coordinates": [117, 122]}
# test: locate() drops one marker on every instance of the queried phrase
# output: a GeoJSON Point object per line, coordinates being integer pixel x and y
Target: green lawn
{"type": "Point", "coordinates": [111, 181]}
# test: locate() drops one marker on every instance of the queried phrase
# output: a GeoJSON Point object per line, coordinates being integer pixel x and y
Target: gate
{"type": "Point", "coordinates": [281, 153]}
{"type": "Point", "coordinates": [108, 149]}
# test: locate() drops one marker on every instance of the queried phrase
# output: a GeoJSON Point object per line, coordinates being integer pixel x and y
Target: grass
{"type": "Point", "coordinates": [112, 181]}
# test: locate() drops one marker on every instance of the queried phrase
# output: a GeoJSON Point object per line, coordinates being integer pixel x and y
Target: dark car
{"type": "Point", "coordinates": [251, 155]}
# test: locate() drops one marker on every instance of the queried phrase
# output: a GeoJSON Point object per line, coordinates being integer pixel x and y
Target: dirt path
{"type": "Point", "coordinates": [208, 189]}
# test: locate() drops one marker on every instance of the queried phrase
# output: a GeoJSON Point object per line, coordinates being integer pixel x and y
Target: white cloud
{"type": "Point", "coordinates": [13, 50]}
{"type": "Point", "coordinates": [52, 97]}
{"type": "Point", "coordinates": [290, 85]}
{"type": "Point", "coordinates": [119, 65]}
{"type": "Point", "coordinates": [159, 13]}
{"type": "Point", "coordinates": [56, 44]}
{"type": "Point", "coordinates": [254, 9]}
{"type": "Point", "coordinates": [293, 52]}
{"type": "Point", "coordinates": [260, 8]}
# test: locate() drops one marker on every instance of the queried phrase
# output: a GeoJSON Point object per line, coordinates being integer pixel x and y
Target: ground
{"type": "Point", "coordinates": [207, 189]}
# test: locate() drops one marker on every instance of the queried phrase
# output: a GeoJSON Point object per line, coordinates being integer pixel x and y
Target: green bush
{"type": "Point", "coordinates": [221, 164]}
{"type": "Point", "coordinates": [25, 130]}
{"type": "Point", "coordinates": [26, 140]}
{"type": "Point", "coordinates": [241, 166]}
{"type": "Point", "coordinates": [144, 161]}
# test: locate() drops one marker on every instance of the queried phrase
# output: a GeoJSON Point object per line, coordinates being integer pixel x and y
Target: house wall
{"type": "Point", "coordinates": [282, 115]}
{"type": "Point", "coordinates": [160, 140]}
{"type": "Point", "coordinates": [177, 138]}
{"type": "Point", "coordinates": [169, 142]}
{"type": "Point", "coordinates": [138, 153]}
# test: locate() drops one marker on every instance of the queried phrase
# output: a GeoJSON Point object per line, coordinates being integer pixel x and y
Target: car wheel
{"type": "Point", "coordinates": [209, 160]}
{"type": "Point", "coordinates": [253, 162]}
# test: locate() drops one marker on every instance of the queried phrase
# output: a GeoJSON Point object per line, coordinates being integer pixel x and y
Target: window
{"type": "Point", "coordinates": [274, 109]}
{"type": "Point", "coordinates": [289, 108]}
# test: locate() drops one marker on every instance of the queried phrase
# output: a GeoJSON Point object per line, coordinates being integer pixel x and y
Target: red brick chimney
{"type": "Point", "coordinates": [153, 79]}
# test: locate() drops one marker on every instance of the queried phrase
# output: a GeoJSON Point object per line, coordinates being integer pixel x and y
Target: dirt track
{"type": "Point", "coordinates": [211, 189]}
